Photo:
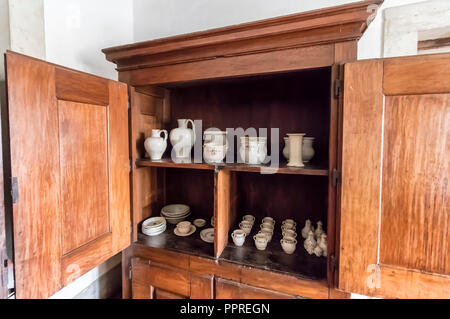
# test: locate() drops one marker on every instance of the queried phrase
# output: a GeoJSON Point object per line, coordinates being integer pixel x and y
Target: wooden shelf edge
{"type": "Point", "coordinates": [283, 169]}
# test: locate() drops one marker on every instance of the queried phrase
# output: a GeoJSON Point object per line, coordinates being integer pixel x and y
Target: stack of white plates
{"type": "Point", "coordinates": [154, 226]}
{"type": "Point", "coordinates": [175, 213]}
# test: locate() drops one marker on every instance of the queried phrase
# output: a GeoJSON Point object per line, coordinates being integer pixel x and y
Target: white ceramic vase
{"type": "Point", "coordinates": [156, 145]}
{"type": "Point", "coordinates": [295, 150]}
{"type": "Point", "coordinates": [182, 138]}
{"type": "Point", "coordinates": [323, 244]}
{"type": "Point", "coordinates": [308, 151]}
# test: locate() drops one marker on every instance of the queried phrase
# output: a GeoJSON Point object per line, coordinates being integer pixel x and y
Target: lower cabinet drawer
{"type": "Point", "coordinates": [226, 289]}
{"type": "Point", "coordinates": [156, 281]}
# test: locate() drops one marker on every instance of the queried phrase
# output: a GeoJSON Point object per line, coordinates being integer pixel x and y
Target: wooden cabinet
{"type": "Point", "coordinates": [378, 181]}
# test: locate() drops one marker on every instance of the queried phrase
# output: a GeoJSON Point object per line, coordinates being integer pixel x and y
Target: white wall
{"type": "Point", "coordinates": [156, 19]}
{"type": "Point", "coordinates": [77, 30]}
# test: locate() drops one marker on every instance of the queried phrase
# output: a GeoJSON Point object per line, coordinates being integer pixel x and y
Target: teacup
{"type": "Point", "coordinates": [268, 234]}
{"type": "Point", "coordinates": [246, 226]}
{"type": "Point", "coordinates": [184, 227]}
{"type": "Point", "coordinates": [289, 233]}
{"type": "Point", "coordinates": [249, 218]}
{"type": "Point", "coordinates": [239, 237]}
{"type": "Point", "coordinates": [288, 222]}
{"type": "Point", "coordinates": [289, 245]}
{"type": "Point", "coordinates": [269, 220]}
{"type": "Point", "coordinates": [267, 226]}
{"type": "Point", "coordinates": [260, 241]}
{"type": "Point", "coordinates": [288, 227]}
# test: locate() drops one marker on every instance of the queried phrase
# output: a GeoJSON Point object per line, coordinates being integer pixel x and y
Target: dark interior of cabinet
{"type": "Point", "coordinates": [194, 188]}
{"type": "Point", "coordinates": [298, 197]}
{"type": "Point", "coordinates": [294, 102]}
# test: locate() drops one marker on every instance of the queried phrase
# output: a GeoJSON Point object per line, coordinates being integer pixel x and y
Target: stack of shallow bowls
{"type": "Point", "coordinates": [175, 213]}
{"type": "Point", "coordinates": [154, 226]}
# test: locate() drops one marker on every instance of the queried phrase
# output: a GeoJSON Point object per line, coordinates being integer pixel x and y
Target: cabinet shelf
{"type": "Point", "coordinates": [309, 169]}
{"type": "Point", "coordinates": [299, 264]}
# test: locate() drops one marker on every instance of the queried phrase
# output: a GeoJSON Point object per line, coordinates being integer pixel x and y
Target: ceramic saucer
{"type": "Point", "coordinates": [193, 229]}
{"type": "Point", "coordinates": [199, 222]}
{"type": "Point", "coordinates": [207, 235]}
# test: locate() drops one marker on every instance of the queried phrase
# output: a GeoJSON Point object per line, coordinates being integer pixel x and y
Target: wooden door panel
{"type": "Point", "coordinates": [415, 219]}
{"type": "Point", "coordinates": [84, 175]}
{"type": "Point", "coordinates": [395, 210]}
{"type": "Point", "coordinates": [69, 154]}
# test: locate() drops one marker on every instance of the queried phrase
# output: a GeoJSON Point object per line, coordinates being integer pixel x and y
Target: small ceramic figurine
{"type": "Point", "coordinates": [317, 251]}
{"type": "Point", "coordinates": [310, 243]}
{"type": "Point", "coordinates": [323, 244]}
{"type": "Point", "coordinates": [306, 229]}
{"type": "Point", "coordinates": [319, 231]}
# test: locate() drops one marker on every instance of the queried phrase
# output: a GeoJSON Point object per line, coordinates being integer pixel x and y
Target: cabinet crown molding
{"type": "Point", "coordinates": [329, 25]}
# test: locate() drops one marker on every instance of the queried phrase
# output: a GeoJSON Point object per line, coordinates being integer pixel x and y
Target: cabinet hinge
{"type": "Point", "coordinates": [15, 190]}
{"type": "Point", "coordinates": [129, 272]}
{"type": "Point", "coordinates": [336, 176]}
{"type": "Point", "coordinates": [338, 87]}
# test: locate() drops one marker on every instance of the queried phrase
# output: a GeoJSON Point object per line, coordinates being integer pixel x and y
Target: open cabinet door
{"type": "Point", "coordinates": [69, 171]}
{"type": "Point", "coordinates": [395, 204]}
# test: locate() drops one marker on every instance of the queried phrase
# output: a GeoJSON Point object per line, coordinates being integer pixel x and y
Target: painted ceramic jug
{"type": "Point", "coordinates": [182, 138]}
{"type": "Point", "coordinates": [156, 145]}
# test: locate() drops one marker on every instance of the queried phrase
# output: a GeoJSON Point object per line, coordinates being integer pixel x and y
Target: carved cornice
{"type": "Point", "coordinates": [330, 25]}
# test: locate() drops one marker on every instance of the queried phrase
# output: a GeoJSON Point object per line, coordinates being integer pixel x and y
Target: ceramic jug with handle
{"type": "Point", "coordinates": [183, 138]}
{"type": "Point", "coordinates": [156, 145]}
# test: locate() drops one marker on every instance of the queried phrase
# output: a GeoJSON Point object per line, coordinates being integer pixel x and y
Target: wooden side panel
{"type": "Point", "coordinates": [417, 75]}
{"type": "Point", "coordinates": [83, 140]}
{"type": "Point", "coordinates": [415, 217]}
{"type": "Point", "coordinates": [361, 162]}
{"type": "Point", "coordinates": [222, 210]}
{"type": "Point", "coordinates": [149, 108]}
{"type": "Point", "coordinates": [226, 289]}
{"type": "Point", "coordinates": [34, 130]}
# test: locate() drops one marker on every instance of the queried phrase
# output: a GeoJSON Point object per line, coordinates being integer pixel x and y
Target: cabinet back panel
{"type": "Point", "coordinates": [282, 197]}
{"type": "Point", "coordinates": [84, 177]}
{"type": "Point", "coordinates": [415, 218]}
{"type": "Point", "coordinates": [194, 188]}
{"type": "Point", "coordinates": [296, 102]}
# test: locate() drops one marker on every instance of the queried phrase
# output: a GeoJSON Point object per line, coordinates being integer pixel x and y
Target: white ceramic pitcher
{"type": "Point", "coordinates": [182, 138]}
